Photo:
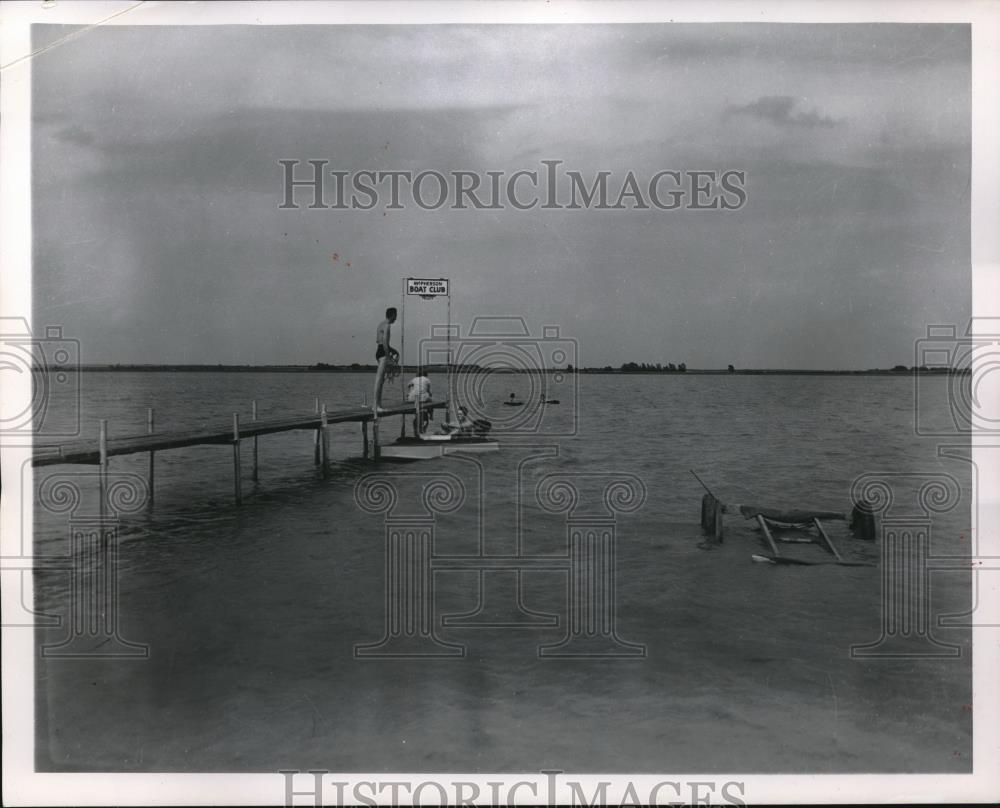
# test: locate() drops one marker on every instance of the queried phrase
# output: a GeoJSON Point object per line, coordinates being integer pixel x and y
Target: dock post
{"type": "Point", "coordinates": [253, 417]}
{"type": "Point", "coordinates": [364, 428]}
{"type": "Point", "coordinates": [316, 458]}
{"type": "Point", "coordinates": [376, 449]}
{"type": "Point", "coordinates": [102, 445]}
{"type": "Point", "coordinates": [324, 441]}
{"type": "Point", "coordinates": [150, 425]}
{"type": "Point", "coordinates": [236, 457]}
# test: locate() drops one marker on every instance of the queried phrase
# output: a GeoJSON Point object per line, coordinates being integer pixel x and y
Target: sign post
{"type": "Point", "coordinates": [428, 289]}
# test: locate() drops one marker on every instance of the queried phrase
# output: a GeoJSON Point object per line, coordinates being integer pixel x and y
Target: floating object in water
{"type": "Point", "coordinates": [711, 517]}
{"type": "Point", "coordinates": [550, 400]}
{"type": "Point", "coordinates": [865, 522]}
{"type": "Point", "coordinates": [513, 403]}
{"type": "Point", "coordinates": [789, 518]}
{"type": "Point", "coordinates": [428, 447]}
{"type": "Point", "coordinates": [773, 518]}
{"type": "Point", "coordinates": [777, 559]}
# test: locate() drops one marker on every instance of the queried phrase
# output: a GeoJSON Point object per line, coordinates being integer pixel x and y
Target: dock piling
{"type": "Point", "coordinates": [236, 458]}
{"type": "Point", "coordinates": [102, 443]}
{"type": "Point", "coordinates": [364, 428]}
{"type": "Point", "coordinates": [253, 417]}
{"type": "Point", "coordinates": [324, 442]}
{"type": "Point", "coordinates": [150, 426]}
{"type": "Point", "coordinates": [376, 449]}
{"type": "Point", "coordinates": [154, 440]}
{"type": "Point", "coordinates": [316, 437]}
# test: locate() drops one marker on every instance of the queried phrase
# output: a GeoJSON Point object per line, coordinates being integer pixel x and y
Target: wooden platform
{"type": "Point", "coordinates": [89, 451]}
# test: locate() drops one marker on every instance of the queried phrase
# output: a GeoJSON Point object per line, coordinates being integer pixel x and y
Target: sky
{"type": "Point", "coordinates": [158, 237]}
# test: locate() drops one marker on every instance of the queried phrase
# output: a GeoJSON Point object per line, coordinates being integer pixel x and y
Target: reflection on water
{"type": "Point", "coordinates": [251, 614]}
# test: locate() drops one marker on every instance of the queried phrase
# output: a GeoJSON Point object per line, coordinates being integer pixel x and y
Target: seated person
{"type": "Point", "coordinates": [419, 389]}
{"type": "Point", "coordinates": [462, 426]}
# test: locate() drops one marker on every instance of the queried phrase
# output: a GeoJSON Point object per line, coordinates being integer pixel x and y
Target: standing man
{"type": "Point", "coordinates": [385, 354]}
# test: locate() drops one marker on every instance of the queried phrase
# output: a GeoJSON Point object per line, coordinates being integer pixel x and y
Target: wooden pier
{"type": "Point", "coordinates": [99, 451]}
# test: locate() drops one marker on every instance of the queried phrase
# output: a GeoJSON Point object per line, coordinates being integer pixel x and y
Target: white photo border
{"type": "Point", "coordinates": [23, 786]}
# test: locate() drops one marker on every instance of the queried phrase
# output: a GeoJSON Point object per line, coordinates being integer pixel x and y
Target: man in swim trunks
{"type": "Point", "coordinates": [384, 354]}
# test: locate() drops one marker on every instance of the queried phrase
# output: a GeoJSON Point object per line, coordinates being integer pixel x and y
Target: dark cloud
{"type": "Point", "coordinates": [784, 110]}
{"type": "Point", "coordinates": [76, 135]}
{"type": "Point", "coordinates": [240, 148]}
{"type": "Point", "coordinates": [863, 45]}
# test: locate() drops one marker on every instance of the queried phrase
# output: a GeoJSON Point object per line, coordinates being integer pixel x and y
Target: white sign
{"type": "Point", "coordinates": [428, 287]}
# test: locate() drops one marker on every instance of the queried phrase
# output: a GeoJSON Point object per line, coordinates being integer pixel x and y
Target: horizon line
{"type": "Point", "coordinates": [437, 367]}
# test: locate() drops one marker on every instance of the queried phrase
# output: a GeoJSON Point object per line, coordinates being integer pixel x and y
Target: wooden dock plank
{"type": "Point", "coordinates": [88, 451]}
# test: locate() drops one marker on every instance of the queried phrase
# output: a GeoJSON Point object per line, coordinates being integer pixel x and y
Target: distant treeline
{"type": "Point", "coordinates": [645, 367]}
{"type": "Point", "coordinates": [628, 367]}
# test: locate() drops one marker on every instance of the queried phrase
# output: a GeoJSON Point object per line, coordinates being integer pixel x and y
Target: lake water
{"type": "Point", "coordinates": [251, 614]}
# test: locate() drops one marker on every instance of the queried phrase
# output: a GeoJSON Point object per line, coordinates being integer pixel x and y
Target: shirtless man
{"type": "Point", "coordinates": [384, 353]}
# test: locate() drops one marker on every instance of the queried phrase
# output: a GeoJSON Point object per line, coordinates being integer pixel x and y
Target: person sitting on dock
{"type": "Point", "coordinates": [463, 424]}
{"type": "Point", "coordinates": [385, 355]}
{"type": "Point", "coordinates": [419, 390]}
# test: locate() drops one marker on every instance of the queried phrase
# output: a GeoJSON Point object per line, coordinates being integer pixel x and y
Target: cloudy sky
{"type": "Point", "coordinates": [158, 237]}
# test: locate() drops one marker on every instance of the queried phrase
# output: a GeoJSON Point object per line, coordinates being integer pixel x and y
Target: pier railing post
{"type": "Point", "coordinates": [102, 447]}
{"type": "Point", "coordinates": [364, 428]}
{"type": "Point", "coordinates": [253, 417]}
{"type": "Point", "coordinates": [316, 440]}
{"type": "Point", "coordinates": [376, 450]}
{"type": "Point", "coordinates": [324, 441]}
{"type": "Point", "coordinates": [150, 426]}
{"type": "Point", "coordinates": [236, 458]}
